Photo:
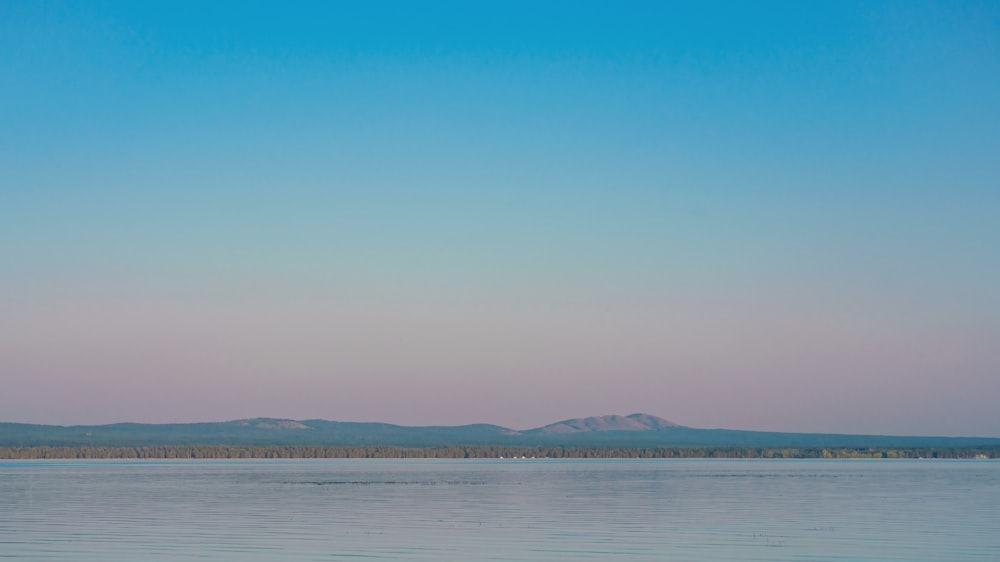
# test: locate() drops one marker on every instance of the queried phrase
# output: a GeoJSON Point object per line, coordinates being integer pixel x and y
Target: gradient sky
{"type": "Point", "coordinates": [754, 215]}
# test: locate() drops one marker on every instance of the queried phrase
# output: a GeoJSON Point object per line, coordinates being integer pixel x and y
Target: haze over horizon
{"type": "Point", "coordinates": [776, 216]}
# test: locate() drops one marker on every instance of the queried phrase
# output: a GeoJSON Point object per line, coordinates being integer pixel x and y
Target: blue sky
{"type": "Point", "coordinates": [765, 216]}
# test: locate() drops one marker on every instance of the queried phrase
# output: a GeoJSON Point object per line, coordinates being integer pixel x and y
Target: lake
{"type": "Point", "coordinates": [515, 510]}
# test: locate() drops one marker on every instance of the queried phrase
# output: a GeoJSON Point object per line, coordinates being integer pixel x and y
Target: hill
{"type": "Point", "coordinates": [633, 422]}
{"type": "Point", "coordinates": [635, 430]}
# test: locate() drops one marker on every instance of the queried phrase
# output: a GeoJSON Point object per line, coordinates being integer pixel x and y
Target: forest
{"type": "Point", "coordinates": [491, 452]}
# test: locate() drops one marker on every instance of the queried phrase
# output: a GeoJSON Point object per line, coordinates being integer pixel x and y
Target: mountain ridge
{"type": "Point", "coordinates": [633, 430]}
{"type": "Point", "coordinates": [611, 422]}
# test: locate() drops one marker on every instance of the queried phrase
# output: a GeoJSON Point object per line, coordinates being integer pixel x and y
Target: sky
{"type": "Point", "coordinates": [774, 216]}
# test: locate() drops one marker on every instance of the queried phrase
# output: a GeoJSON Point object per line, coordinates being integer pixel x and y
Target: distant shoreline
{"type": "Point", "coordinates": [632, 435]}
{"type": "Point", "coordinates": [492, 452]}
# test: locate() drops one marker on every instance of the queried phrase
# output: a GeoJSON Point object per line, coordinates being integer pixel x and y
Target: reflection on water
{"type": "Point", "coordinates": [500, 510]}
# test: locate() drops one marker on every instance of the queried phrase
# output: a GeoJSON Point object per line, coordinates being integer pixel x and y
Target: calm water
{"type": "Point", "coordinates": [500, 510]}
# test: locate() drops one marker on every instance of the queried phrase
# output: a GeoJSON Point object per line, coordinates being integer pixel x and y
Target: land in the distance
{"type": "Point", "coordinates": [636, 435]}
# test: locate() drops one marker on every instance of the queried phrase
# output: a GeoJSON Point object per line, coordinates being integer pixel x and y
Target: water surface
{"type": "Point", "coordinates": [515, 510]}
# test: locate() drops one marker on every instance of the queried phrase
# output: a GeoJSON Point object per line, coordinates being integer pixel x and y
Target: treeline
{"type": "Point", "coordinates": [490, 452]}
